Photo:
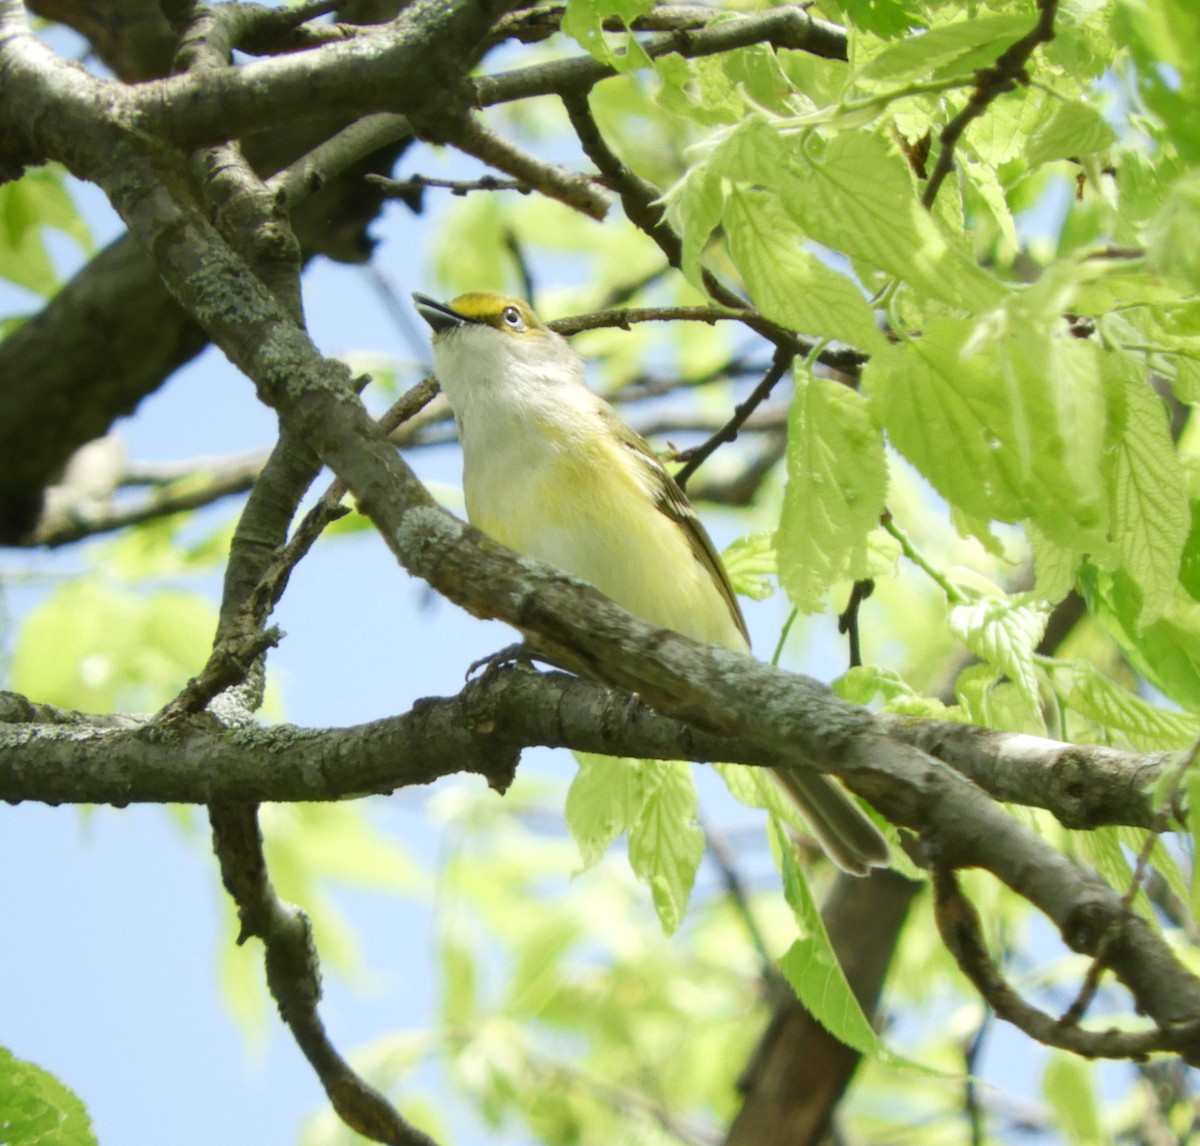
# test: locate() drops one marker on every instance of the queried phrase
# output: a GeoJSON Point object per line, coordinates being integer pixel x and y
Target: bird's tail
{"type": "Point", "coordinates": [851, 840]}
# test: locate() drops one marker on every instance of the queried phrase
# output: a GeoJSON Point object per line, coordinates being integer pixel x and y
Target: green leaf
{"type": "Point", "coordinates": [787, 282]}
{"type": "Point", "coordinates": [1162, 35]}
{"type": "Point", "coordinates": [1172, 247]}
{"type": "Point", "coordinates": [1189, 566]}
{"type": "Point", "coordinates": [1054, 567]}
{"type": "Point", "coordinates": [1192, 790]}
{"type": "Point", "coordinates": [958, 48]}
{"type": "Point", "coordinates": [752, 565]}
{"type": "Point", "coordinates": [859, 198]}
{"type": "Point", "coordinates": [837, 482]}
{"type": "Point", "coordinates": [23, 256]}
{"type": "Point", "coordinates": [339, 841]}
{"type": "Point", "coordinates": [755, 788]}
{"type": "Point", "coordinates": [1075, 129]}
{"type": "Point", "coordinates": [993, 703]}
{"type": "Point", "coordinates": [28, 205]}
{"type": "Point", "coordinates": [584, 20]}
{"type": "Point", "coordinates": [884, 18]}
{"type": "Point", "coordinates": [38, 1110]}
{"type": "Point", "coordinates": [1146, 726]}
{"type": "Point", "coordinates": [605, 797]}
{"type": "Point", "coordinates": [1004, 429]}
{"type": "Point", "coordinates": [1067, 1088]}
{"type": "Point", "coordinates": [1004, 633]}
{"type": "Point", "coordinates": [102, 649]}
{"type": "Point", "coordinates": [811, 966]}
{"type": "Point", "coordinates": [1151, 517]}
{"type": "Point", "coordinates": [1167, 652]}
{"type": "Point", "coordinates": [694, 207]}
{"type": "Point", "coordinates": [665, 841]}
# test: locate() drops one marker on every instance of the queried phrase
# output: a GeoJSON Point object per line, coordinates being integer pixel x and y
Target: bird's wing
{"type": "Point", "coordinates": [672, 502]}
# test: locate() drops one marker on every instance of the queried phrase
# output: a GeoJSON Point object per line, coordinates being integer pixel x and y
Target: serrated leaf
{"type": "Point", "coordinates": [787, 282]}
{"type": "Point", "coordinates": [36, 1109]}
{"type": "Point", "coordinates": [1189, 566]}
{"type": "Point", "coordinates": [694, 207]}
{"type": "Point", "coordinates": [605, 797]}
{"type": "Point", "coordinates": [1171, 247]}
{"type": "Point", "coordinates": [1192, 790]}
{"type": "Point", "coordinates": [837, 483]}
{"type": "Point", "coordinates": [1004, 633]}
{"type": "Point", "coordinates": [1148, 727]}
{"type": "Point", "coordinates": [952, 49]}
{"type": "Point", "coordinates": [1054, 567]}
{"type": "Point", "coordinates": [665, 841]}
{"type": "Point", "coordinates": [861, 684]}
{"type": "Point", "coordinates": [859, 198]}
{"type": "Point", "coordinates": [992, 703]}
{"type": "Point", "coordinates": [811, 966]}
{"type": "Point", "coordinates": [27, 206]}
{"type": "Point", "coordinates": [1151, 517]}
{"type": "Point", "coordinates": [991, 431]}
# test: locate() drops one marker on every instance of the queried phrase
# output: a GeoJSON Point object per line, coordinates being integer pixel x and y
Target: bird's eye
{"type": "Point", "coordinates": [512, 318]}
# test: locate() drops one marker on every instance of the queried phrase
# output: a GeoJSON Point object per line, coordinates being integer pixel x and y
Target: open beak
{"type": "Point", "coordinates": [437, 314]}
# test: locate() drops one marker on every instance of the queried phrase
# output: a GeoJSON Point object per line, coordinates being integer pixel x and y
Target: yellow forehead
{"type": "Point", "coordinates": [484, 306]}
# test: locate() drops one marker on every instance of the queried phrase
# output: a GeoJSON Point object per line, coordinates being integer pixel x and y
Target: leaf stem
{"type": "Point", "coordinates": [953, 594]}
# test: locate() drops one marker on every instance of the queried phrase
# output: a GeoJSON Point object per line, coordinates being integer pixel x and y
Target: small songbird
{"type": "Point", "coordinates": [550, 471]}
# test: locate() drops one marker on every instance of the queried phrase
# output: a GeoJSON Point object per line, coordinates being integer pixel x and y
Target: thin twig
{"type": "Point", "coordinates": [695, 458]}
{"type": "Point", "coordinates": [403, 188]}
{"type": "Point", "coordinates": [68, 524]}
{"type": "Point", "coordinates": [642, 202]}
{"type": "Point", "coordinates": [959, 925]}
{"type": "Point", "coordinates": [848, 620]}
{"type": "Point", "coordinates": [294, 977]}
{"type": "Point", "coordinates": [512, 244]}
{"type": "Point", "coordinates": [467, 133]}
{"type": "Point", "coordinates": [1003, 75]}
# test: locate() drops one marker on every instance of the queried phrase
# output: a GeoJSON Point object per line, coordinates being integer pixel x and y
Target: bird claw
{"type": "Point", "coordinates": [518, 653]}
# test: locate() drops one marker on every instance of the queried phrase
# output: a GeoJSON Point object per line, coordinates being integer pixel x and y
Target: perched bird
{"type": "Point", "coordinates": [550, 471]}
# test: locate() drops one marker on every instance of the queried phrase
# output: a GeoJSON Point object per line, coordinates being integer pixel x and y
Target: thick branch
{"type": "Point", "coordinates": [60, 757]}
{"type": "Point", "coordinates": [1084, 785]}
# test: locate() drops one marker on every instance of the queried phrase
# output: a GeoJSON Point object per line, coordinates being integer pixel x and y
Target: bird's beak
{"type": "Point", "coordinates": [437, 314]}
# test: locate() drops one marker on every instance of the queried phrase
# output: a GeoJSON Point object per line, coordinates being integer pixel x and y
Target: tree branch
{"type": "Point", "coordinates": [1003, 75]}
{"type": "Point", "coordinates": [294, 977]}
{"type": "Point", "coordinates": [781, 27]}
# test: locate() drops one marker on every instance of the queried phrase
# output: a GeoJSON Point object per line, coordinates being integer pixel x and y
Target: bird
{"type": "Point", "coordinates": [551, 471]}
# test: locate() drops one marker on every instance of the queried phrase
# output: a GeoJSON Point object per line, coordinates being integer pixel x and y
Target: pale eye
{"type": "Point", "coordinates": [512, 318]}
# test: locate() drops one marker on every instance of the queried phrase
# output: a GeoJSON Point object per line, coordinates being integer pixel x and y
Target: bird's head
{"type": "Point", "coordinates": [511, 317]}
{"type": "Point", "coordinates": [493, 343]}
